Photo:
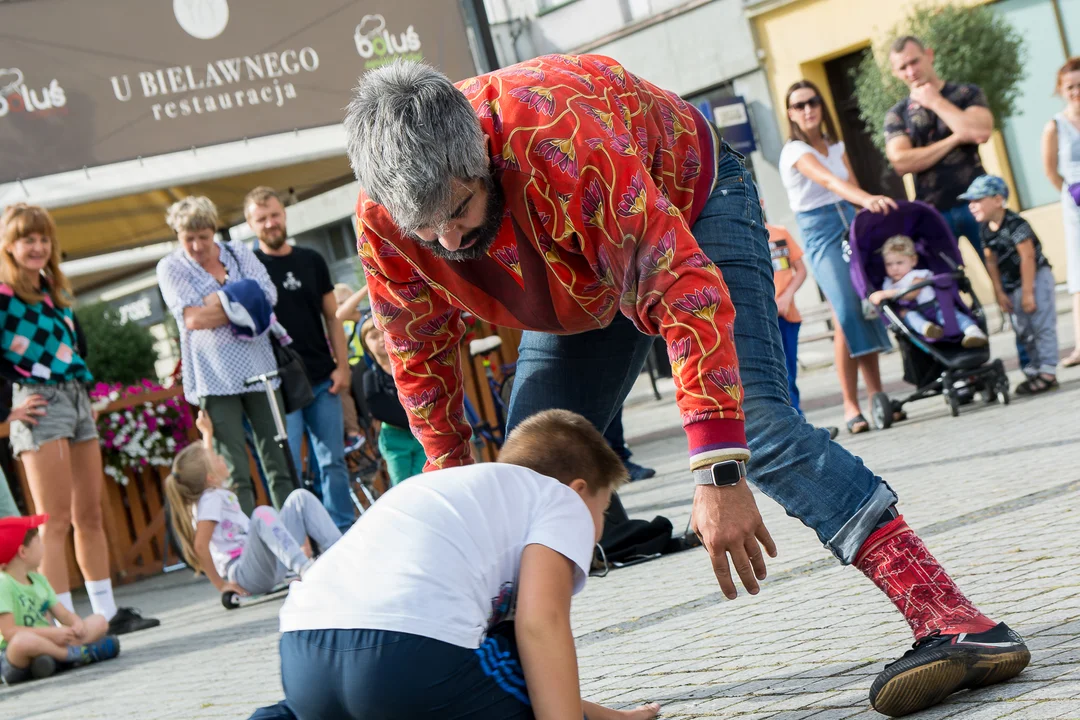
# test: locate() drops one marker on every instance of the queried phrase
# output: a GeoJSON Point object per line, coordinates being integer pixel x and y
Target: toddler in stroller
{"type": "Point", "coordinates": [909, 264]}
{"type": "Point", "coordinates": [915, 303]}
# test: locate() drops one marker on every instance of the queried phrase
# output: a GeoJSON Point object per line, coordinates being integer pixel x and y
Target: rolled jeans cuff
{"type": "Point", "coordinates": [845, 544]}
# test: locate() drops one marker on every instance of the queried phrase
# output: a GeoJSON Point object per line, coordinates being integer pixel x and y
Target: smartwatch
{"type": "Point", "coordinates": [721, 474]}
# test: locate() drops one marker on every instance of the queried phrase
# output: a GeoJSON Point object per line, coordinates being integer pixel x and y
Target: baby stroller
{"type": "Point", "coordinates": [934, 367]}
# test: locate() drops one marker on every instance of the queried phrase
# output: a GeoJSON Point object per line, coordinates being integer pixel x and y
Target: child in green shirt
{"type": "Point", "coordinates": [31, 644]}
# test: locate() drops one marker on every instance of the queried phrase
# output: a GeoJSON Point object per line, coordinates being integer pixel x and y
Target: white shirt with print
{"type": "Point", "coordinates": [230, 535]}
{"type": "Point", "coordinates": [438, 556]}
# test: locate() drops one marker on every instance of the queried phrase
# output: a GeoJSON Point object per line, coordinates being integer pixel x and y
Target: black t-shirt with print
{"type": "Point", "coordinates": [302, 279]}
{"type": "Point", "coordinates": [943, 183]}
{"type": "Point", "coordinates": [1003, 241]}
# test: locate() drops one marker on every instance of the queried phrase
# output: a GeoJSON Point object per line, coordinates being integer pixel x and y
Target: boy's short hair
{"type": "Point", "coordinates": [30, 535]}
{"type": "Point", "coordinates": [565, 446]}
{"type": "Point", "coordinates": [900, 245]}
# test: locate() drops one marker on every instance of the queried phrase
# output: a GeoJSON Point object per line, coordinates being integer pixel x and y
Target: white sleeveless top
{"type": "Point", "coordinates": [1068, 149]}
{"type": "Point", "coordinates": [803, 193]}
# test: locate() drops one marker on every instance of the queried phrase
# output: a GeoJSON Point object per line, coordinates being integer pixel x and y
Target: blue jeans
{"type": "Point", "coordinates": [325, 423]}
{"type": "Point", "coordinates": [591, 373]}
{"type": "Point", "coordinates": [789, 336]}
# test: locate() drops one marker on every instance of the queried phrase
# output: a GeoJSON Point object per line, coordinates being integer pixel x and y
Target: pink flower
{"type": "Point", "coordinates": [701, 303]}
{"type": "Point", "coordinates": [691, 166]}
{"type": "Point", "coordinates": [404, 348]}
{"type": "Point", "coordinates": [385, 312]}
{"type": "Point", "coordinates": [560, 153]}
{"type": "Point", "coordinates": [508, 256]}
{"type": "Point", "coordinates": [698, 260]}
{"type": "Point", "coordinates": [414, 292]}
{"type": "Point", "coordinates": [423, 403]}
{"type": "Point", "coordinates": [537, 98]}
{"type": "Point", "coordinates": [659, 259]}
{"type": "Point", "coordinates": [678, 352]}
{"type": "Point", "coordinates": [633, 198]}
{"type": "Point", "coordinates": [726, 379]}
{"type": "Point", "coordinates": [436, 326]}
{"type": "Point", "coordinates": [592, 204]}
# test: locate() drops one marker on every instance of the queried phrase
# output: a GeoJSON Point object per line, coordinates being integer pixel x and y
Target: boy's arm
{"type": "Point", "coordinates": [544, 638]}
{"type": "Point", "coordinates": [995, 277]}
{"type": "Point", "coordinates": [60, 635]}
{"type": "Point", "coordinates": [798, 277]}
{"type": "Point", "coordinates": [1026, 249]}
{"type": "Point", "coordinates": [348, 310]}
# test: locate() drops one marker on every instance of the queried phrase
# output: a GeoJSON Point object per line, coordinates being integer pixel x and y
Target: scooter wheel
{"type": "Point", "coordinates": [230, 600]}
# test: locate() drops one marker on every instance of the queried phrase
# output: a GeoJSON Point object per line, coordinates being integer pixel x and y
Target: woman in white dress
{"type": "Point", "coordinates": [1061, 162]}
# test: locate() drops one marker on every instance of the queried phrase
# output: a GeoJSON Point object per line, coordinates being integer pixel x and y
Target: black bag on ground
{"type": "Point", "coordinates": [626, 539]}
{"type": "Point", "coordinates": [295, 386]}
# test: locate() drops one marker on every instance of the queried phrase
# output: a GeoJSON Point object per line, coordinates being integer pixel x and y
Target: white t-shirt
{"type": "Point", "coordinates": [438, 556]}
{"type": "Point", "coordinates": [925, 295]}
{"type": "Point", "coordinates": [803, 193]}
{"type": "Point", "coordinates": [230, 535]}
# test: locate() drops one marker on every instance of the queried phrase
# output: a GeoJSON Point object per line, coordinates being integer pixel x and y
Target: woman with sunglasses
{"type": "Point", "coordinates": [823, 193]}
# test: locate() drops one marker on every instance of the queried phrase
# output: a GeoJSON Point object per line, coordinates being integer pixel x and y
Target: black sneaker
{"type": "Point", "coordinates": [637, 472]}
{"type": "Point", "coordinates": [128, 620]}
{"type": "Point", "coordinates": [939, 665]}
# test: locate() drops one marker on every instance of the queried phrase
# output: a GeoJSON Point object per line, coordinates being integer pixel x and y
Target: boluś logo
{"type": "Point", "coordinates": [16, 96]}
{"type": "Point", "coordinates": [379, 46]}
{"type": "Point", "coordinates": [202, 19]}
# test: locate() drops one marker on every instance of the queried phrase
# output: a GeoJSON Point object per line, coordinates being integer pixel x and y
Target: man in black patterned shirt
{"type": "Point", "coordinates": [935, 134]}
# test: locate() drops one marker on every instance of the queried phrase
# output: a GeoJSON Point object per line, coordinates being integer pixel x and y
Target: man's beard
{"type": "Point", "coordinates": [483, 236]}
{"type": "Point", "coordinates": [274, 241]}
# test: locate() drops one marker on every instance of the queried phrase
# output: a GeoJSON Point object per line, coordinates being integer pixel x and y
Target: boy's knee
{"type": "Point", "coordinates": [96, 627]}
{"type": "Point", "coordinates": [300, 497]}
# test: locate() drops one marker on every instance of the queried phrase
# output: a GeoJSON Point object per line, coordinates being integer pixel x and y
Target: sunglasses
{"type": "Point", "coordinates": [814, 102]}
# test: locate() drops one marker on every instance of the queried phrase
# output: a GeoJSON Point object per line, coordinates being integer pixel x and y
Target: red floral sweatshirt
{"type": "Point", "coordinates": [604, 175]}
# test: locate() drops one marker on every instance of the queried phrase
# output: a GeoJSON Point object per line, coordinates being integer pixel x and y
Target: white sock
{"type": "Point", "coordinates": [65, 600]}
{"type": "Point", "coordinates": [101, 597]}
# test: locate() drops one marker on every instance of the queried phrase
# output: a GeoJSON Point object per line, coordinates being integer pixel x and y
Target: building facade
{"type": "Point", "coordinates": [805, 39]}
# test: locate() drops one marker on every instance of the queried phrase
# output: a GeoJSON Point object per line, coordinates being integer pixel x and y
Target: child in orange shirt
{"type": "Point", "coordinates": [789, 273]}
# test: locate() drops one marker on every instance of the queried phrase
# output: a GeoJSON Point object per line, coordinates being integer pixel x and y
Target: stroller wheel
{"type": "Point", "coordinates": [954, 402]}
{"type": "Point", "coordinates": [881, 408]}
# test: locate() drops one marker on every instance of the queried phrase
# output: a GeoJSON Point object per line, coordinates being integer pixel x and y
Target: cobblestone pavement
{"type": "Point", "coordinates": [995, 493]}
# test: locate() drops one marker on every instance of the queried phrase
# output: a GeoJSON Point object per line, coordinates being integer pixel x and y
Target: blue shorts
{"type": "Point", "coordinates": [383, 675]}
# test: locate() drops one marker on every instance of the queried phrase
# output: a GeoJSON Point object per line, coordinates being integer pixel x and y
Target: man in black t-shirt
{"type": "Point", "coordinates": [935, 134]}
{"type": "Point", "coordinates": [307, 308]}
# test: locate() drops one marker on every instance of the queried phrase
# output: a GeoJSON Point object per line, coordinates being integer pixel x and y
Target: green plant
{"type": "Point", "coordinates": [971, 45]}
{"type": "Point", "coordinates": [117, 352]}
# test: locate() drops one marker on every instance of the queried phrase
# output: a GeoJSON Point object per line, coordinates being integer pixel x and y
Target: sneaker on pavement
{"type": "Point", "coordinates": [106, 648]}
{"type": "Point", "coordinates": [939, 665]}
{"type": "Point", "coordinates": [637, 472]}
{"type": "Point", "coordinates": [129, 620]}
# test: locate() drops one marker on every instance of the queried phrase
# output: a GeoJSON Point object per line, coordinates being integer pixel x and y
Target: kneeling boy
{"type": "Point", "coordinates": [32, 646]}
{"type": "Point", "coordinates": [450, 598]}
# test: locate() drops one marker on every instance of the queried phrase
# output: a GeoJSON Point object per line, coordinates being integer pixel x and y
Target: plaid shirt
{"type": "Point", "coordinates": [39, 341]}
{"type": "Point", "coordinates": [604, 175]}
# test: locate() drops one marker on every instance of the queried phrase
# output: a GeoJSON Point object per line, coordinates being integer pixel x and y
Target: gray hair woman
{"type": "Point", "coordinates": [215, 362]}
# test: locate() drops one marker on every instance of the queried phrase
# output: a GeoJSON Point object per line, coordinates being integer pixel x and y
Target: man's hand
{"type": "Point", "coordinates": [1004, 303]}
{"type": "Point", "coordinates": [926, 95]}
{"type": "Point", "coordinates": [1027, 302]}
{"type": "Point", "coordinates": [340, 380]}
{"type": "Point", "coordinates": [728, 522]}
{"type": "Point", "coordinates": [31, 409]}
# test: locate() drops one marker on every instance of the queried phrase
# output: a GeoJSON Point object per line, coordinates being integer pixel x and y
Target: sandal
{"type": "Point", "coordinates": [858, 425]}
{"type": "Point", "coordinates": [898, 413]}
{"type": "Point", "coordinates": [1036, 385]}
{"type": "Point", "coordinates": [1071, 361]}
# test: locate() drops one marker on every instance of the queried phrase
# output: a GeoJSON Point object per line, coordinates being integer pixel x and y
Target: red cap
{"type": "Point", "coordinates": [12, 532]}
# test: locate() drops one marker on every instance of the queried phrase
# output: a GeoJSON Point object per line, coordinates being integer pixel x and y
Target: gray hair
{"type": "Point", "coordinates": [193, 213]}
{"type": "Point", "coordinates": [410, 134]}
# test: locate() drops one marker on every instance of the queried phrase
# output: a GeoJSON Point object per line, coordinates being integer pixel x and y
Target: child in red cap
{"type": "Point", "coordinates": [31, 644]}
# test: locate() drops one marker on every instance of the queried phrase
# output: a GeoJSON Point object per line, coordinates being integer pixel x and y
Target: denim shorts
{"type": "Point", "coordinates": [68, 415]}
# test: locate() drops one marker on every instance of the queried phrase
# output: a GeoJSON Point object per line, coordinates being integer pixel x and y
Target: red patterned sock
{"type": "Point", "coordinates": [897, 561]}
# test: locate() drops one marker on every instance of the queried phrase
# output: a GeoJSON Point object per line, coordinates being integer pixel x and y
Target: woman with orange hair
{"type": "Point", "coordinates": [41, 351]}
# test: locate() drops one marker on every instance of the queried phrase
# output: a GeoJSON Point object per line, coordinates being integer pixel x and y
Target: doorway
{"type": "Point", "coordinates": [872, 169]}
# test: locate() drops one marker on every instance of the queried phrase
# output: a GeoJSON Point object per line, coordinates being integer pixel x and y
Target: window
{"type": "Point", "coordinates": [1036, 21]}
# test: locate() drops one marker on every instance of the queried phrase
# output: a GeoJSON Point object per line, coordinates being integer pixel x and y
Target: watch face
{"type": "Point", "coordinates": [726, 473]}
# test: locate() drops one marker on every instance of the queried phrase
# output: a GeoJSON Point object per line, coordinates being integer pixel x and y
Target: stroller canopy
{"type": "Point", "coordinates": [937, 248]}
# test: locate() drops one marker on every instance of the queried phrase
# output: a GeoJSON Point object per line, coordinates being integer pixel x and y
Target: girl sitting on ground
{"type": "Point", "coordinates": [238, 554]}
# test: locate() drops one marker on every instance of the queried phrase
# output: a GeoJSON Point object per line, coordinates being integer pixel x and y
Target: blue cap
{"type": "Point", "coordinates": [986, 186]}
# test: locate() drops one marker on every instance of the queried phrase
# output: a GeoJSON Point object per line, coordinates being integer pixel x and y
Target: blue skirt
{"type": "Point", "coordinates": [824, 235]}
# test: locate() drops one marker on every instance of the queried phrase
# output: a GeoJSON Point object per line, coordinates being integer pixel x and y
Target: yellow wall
{"type": "Point", "coordinates": [800, 37]}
